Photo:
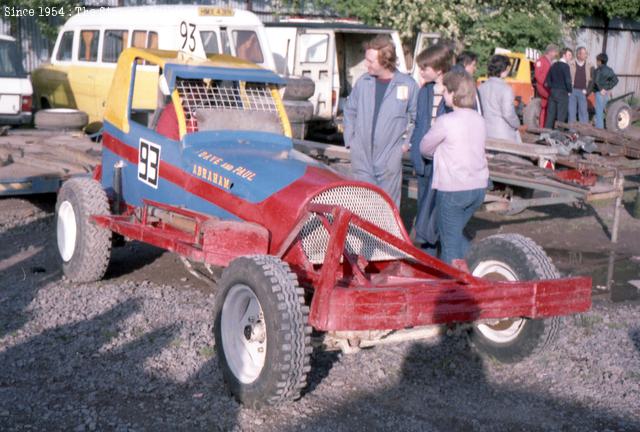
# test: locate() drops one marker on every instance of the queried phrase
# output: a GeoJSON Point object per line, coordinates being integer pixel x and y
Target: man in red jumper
{"type": "Point", "coordinates": [542, 67]}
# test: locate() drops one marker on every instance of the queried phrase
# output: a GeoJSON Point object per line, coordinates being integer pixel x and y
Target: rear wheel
{"type": "Point", "coordinates": [511, 257]}
{"type": "Point", "coordinates": [262, 336]}
{"type": "Point", "coordinates": [84, 247]}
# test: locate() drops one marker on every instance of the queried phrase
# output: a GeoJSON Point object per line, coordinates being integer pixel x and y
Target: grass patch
{"type": "Point", "coordinates": [109, 334]}
{"type": "Point", "coordinates": [207, 352]}
{"type": "Point", "coordinates": [615, 325]}
{"type": "Point", "coordinates": [588, 322]}
{"type": "Point", "coordinates": [175, 342]}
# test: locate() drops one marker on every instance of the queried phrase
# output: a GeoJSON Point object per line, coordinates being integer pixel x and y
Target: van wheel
{"type": "Point", "coordinates": [261, 330]}
{"type": "Point", "coordinates": [619, 116]}
{"type": "Point", "coordinates": [531, 113]}
{"type": "Point", "coordinates": [299, 88]}
{"type": "Point", "coordinates": [60, 118]}
{"type": "Point", "coordinates": [512, 257]}
{"type": "Point", "coordinates": [84, 247]}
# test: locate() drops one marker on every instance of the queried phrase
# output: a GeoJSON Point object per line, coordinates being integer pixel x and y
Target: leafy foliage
{"type": "Point", "coordinates": [603, 9]}
{"type": "Point", "coordinates": [482, 25]}
{"type": "Point", "coordinates": [47, 24]}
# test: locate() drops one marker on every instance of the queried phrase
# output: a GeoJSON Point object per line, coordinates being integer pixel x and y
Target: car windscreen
{"type": "Point", "coordinates": [10, 63]}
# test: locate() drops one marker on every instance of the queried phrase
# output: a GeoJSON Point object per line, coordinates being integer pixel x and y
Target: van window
{"type": "Point", "coordinates": [113, 44]}
{"type": "Point", "coordinates": [515, 65]}
{"type": "Point", "coordinates": [65, 49]}
{"type": "Point", "coordinates": [248, 46]}
{"type": "Point", "coordinates": [210, 42]}
{"type": "Point", "coordinates": [144, 39]}
{"type": "Point", "coordinates": [152, 40]}
{"type": "Point", "coordinates": [88, 45]}
{"type": "Point", "coordinates": [10, 64]}
{"type": "Point", "coordinates": [224, 38]}
{"type": "Point", "coordinates": [139, 39]}
{"type": "Point", "coordinates": [314, 47]}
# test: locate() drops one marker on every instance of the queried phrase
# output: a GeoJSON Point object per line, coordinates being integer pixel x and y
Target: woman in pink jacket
{"type": "Point", "coordinates": [457, 144]}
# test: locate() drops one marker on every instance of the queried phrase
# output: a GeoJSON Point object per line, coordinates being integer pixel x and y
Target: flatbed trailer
{"type": "Point", "coordinates": [38, 161]}
{"type": "Point", "coordinates": [501, 170]}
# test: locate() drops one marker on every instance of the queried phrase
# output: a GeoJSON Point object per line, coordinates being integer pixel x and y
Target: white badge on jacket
{"type": "Point", "coordinates": [402, 92]}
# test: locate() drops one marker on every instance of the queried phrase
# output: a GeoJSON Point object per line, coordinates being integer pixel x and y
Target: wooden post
{"type": "Point", "coordinates": [619, 185]}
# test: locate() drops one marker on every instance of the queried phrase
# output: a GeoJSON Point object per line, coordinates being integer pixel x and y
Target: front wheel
{"type": "Point", "coordinates": [512, 257]}
{"type": "Point", "coordinates": [261, 330]}
{"type": "Point", "coordinates": [84, 247]}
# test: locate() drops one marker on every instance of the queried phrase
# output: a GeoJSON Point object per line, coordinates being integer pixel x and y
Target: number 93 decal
{"type": "Point", "coordinates": [187, 31]}
{"type": "Point", "coordinates": [148, 163]}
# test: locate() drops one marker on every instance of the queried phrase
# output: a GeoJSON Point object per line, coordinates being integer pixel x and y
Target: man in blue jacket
{"type": "Point", "coordinates": [559, 83]}
{"type": "Point", "coordinates": [379, 117]}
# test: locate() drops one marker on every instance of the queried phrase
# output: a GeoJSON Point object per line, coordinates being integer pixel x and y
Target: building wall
{"type": "Point", "coordinates": [623, 49]}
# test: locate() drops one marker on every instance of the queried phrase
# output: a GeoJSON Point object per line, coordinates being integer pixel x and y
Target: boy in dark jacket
{"type": "Point", "coordinates": [604, 79]}
{"type": "Point", "coordinates": [433, 62]}
{"type": "Point", "coordinates": [559, 83]}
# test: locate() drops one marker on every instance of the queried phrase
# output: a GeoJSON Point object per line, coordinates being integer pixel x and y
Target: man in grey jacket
{"type": "Point", "coordinates": [379, 117]}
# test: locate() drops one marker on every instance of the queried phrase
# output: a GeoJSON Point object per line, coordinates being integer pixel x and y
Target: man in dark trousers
{"type": "Point", "coordinates": [559, 83]}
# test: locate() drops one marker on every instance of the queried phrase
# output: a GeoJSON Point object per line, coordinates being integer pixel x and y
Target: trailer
{"type": "Point", "coordinates": [39, 161]}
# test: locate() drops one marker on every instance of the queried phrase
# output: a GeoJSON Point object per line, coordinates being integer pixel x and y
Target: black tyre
{"type": "Point", "coordinates": [299, 88]}
{"type": "Point", "coordinates": [298, 111]}
{"type": "Point", "coordinates": [60, 118]}
{"type": "Point", "coordinates": [262, 337]}
{"type": "Point", "coordinates": [83, 246]}
{"type": "Point", "coordinates": [619, 116]}
{"type": "Point", "coordinates": [531, 113]}
{"type": "Point", "coordinates": [512, 257]}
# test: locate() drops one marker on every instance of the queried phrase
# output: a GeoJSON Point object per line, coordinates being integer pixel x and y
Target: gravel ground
{"type": "Point", "coordinates": [136, 352]}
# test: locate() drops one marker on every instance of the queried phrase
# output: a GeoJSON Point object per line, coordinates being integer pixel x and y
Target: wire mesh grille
{"type": "Point", "coordinates": [222, 95]}
{"type": "Point", "coordinates": [366, 204]}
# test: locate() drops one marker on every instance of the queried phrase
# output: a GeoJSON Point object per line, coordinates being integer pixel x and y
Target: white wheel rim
{"type": "Point", "coordinates": [244, 333]}
{"type": "Point", "coordinates": [506, 330]}
{"type": "Point", "coordinates": [66, 230]}
{"type": "Point", "coordinates": [624, 119]}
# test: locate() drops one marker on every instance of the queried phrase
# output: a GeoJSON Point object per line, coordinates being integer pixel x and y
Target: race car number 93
{"type": "Point", "coordinates": [148, 163]}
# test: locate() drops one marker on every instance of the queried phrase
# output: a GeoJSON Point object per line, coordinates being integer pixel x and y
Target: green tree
{"type": "Point", "coordinates": [597, 8]}
{"type": "Point", "coordinates": [47, 23]}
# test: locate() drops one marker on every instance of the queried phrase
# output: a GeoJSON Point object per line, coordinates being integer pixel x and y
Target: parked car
{"type": "Point", "coordinates": [15, 85]}
{"type": "Point", "coordinates": [84, 57]}
{"type": "Point", "coordinates": [214, 177]}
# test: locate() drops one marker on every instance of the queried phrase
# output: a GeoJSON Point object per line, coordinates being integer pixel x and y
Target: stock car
{"type": "Point", "coordinates": [309, 256]}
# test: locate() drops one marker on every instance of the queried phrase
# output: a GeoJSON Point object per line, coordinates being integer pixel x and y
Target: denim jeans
{"type": "Point", "coordinates": [601, 103]}
{"type": "Point", "coordinates": [578, 107]}
{"type": "Point", "coordinates": [454, 209]}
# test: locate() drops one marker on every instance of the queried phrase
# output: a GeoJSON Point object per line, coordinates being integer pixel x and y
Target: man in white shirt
{"type": "Point", "coordinates": [581, 73]}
